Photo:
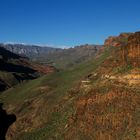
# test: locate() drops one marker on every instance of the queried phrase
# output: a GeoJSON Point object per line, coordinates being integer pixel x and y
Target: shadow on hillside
{"type": "Point", "coordinates": [5, 121]}
{"type": "Point", "coordinates": [7, 54]}
{"type": "Point", "coordinates": [4, 66]}
{"type": "Point", "coordinates": [23, 77]}
{"type": "Point", "coordinates": [2, 85]}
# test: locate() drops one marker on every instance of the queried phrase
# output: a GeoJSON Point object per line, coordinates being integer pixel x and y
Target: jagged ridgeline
{"type": "Point", "coordinates": [98, 99]}
{"type": "Point", "coordinates": [127, 48]}
{"type": "Point", "coordinates": [29, 50]}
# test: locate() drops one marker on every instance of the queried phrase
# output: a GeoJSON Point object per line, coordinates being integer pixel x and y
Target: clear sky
{"type": "Point", "coordinates": [66, 22]}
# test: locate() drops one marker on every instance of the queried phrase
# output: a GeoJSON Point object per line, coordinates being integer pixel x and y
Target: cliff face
{"type": "Point", "coordinates": [117, 40]}
{"type": "Point", "coordinates": [127, 47]}
{"type": "Point", "coordinates": [131, 52]}
{"type": "Point", "coordinates": [133, 47]}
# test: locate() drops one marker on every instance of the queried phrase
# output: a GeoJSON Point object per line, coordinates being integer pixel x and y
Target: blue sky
{"type": "Point", "coordinates": [66, 22]}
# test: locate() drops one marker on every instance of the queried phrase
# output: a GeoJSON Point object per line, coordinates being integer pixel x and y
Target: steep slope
{"type": "Point", "coordinates": [127, 47]}
{"type": "Point", "coordinates": [108, 101]}
{"type": "Point", "coordinates": [120, 40]}
{"type": "Point", "coordinates": [131, 52]}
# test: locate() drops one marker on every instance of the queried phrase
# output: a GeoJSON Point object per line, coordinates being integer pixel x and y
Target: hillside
{"type": "Point", "coordinates": [107, 107]}
{"type": "Point", "coordinates": [96, 100]}
{"type": "Point", "coordinates": [15, 69]}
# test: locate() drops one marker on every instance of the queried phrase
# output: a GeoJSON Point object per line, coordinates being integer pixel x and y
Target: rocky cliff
{"type": "Point", "coordinates": [117, 40]}
{"type": "Point", "coordinates": [131, 51]}
{"type": "Point", "coordinates": [127, 47]}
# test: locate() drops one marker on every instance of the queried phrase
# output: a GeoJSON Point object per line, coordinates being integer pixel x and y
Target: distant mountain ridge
{"type": "Point", "coordinates": [57, 57]}
{"type": "Point", "coordinates": [67, 58]}
{"type": "Point", "coordinates": [28, 50]}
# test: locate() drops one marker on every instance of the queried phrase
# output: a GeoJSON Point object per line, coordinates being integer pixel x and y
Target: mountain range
{"type": "Point", "coordinates": [57, 57]}
{"type": "Point", "coordinates": [28, 50]}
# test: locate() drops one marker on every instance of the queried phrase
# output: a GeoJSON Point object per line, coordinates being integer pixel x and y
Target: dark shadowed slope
{"type": "Point", "coordinates": [5, 122]}
{"type": "Point", "coordinates": [15, 69]}
{"type": "Point", "coordinates": [7, 54]}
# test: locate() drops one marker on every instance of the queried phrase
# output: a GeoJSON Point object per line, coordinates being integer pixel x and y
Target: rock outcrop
{"type": "Point", "coordinates": [127, 47]}
{"type": "Point", "coordinates": [117, 40]}
{"type": "Point", "coordinates": [131, 51]}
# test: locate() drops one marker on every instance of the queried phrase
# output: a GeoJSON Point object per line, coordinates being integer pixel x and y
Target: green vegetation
{"type": "Point", "coordinates": [59, 82]}
{"type": "Point", "coordinates": [122, 69]}
{"type": "Point", "coordinates": [68, 58]}
{"type": "Point", "coordinates": [8, 78]}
